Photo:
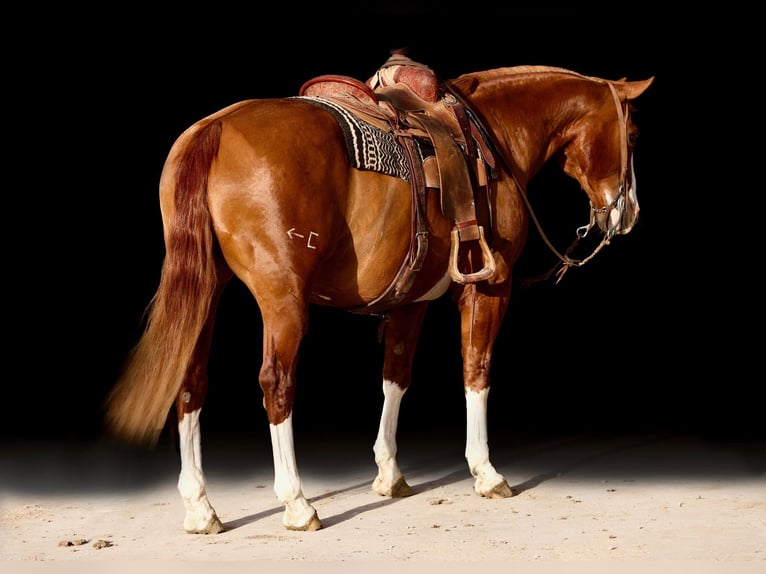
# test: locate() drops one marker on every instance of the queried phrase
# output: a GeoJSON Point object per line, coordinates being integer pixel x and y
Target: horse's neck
{"type": "Point", "coordinates": [525, 117]}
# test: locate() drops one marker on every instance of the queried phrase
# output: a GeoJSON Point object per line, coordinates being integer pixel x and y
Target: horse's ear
{"type": "Point", "coordinates": [631, 90]}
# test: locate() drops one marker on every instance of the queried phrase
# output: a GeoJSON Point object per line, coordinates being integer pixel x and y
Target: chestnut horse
{"type": "Point", "coordinates": [264, 191]}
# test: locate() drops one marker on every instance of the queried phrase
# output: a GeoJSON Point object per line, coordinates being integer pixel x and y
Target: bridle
{"type": "Point", "coordinates": [565, 262]}
{"type": "Point", "coordinates": [619, 202]}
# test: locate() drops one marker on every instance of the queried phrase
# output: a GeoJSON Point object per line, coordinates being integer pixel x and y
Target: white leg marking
{"type": "Point", "coordinates": [385, 443]}
{"type": "Point", "coordinates": [200, 516]}
{"type": "Point", "coordinates": [287, 484]}
{"type": "Point", "coordinates": [476, 445]}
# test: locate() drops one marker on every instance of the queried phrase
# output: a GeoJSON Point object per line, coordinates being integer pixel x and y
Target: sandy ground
{"type": "Point", "coordinates": [665, 499]}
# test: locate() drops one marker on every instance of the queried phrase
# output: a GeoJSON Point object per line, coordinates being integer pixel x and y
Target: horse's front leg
{"type": "Point", "coordinates": [401, 333]}
{"type": "Point", "coordinates": [482, 308]}
{"type": "Point", "coordinates": [200, 516]}
{"type": "Point", "coordinates": [282, 334]}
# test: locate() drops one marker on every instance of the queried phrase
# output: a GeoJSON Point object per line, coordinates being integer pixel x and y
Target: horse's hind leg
{"type": "Point", "coordinates": [283, 331]}
{"type": "Point", "coordinates": [481, 314]}
{"type": "Point", "coordinates": [200, 516]}
{"type": "Point", "coordinates": [401, 334]}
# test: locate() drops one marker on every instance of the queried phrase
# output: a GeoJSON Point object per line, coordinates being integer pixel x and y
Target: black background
{"type": "Point", "coordinates": [660, 331]}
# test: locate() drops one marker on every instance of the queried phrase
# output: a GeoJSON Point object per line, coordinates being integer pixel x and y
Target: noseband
{"type": "Point", "coordinates": [618, 204]}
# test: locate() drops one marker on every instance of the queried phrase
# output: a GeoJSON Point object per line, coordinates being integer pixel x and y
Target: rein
{"type": "Point", "coordinates": [565, 262]}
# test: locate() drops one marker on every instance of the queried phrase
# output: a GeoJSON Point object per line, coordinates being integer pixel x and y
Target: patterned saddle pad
{"type": "Point", "coordinates": [368, 147]}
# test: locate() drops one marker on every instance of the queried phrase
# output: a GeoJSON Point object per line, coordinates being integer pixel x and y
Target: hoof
{"type": "Point", "coordinates": [313, 524]}
{"type": "Point", "coordinates": [213, 527]}
{"type": "Point", "coordinates": [401, 489]}
{"type": "Point", "coordinates": [501, 490]}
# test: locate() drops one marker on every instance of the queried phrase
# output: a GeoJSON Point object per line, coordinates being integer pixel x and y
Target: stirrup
{"type": "Point", "coordinates": [481, 275]}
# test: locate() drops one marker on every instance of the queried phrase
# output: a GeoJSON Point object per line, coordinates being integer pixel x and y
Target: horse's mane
{"type": "Point", "coordinates": [526, 69]}
{"type": "Point", "coordinates": [504, 73]}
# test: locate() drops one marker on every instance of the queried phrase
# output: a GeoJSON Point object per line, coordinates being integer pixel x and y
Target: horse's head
{"type": "Point", "coordinates": [599, 155]}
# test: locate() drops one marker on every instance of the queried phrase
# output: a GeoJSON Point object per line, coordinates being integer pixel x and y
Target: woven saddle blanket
{"type": "Point", "coordinates": [370, 147]}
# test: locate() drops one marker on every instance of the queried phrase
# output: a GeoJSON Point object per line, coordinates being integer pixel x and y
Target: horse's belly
{"type": "Point", "coordinates": [381, 245]}
{"type": "Point", "coordinates": [439, 289]}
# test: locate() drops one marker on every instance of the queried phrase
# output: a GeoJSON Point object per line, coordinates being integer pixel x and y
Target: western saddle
{"type": "Point", "coordinates": [406, 97]}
